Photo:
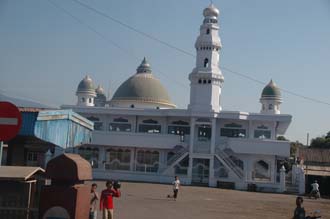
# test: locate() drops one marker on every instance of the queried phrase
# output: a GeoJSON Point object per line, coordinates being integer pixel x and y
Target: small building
{"type": "Point", "coordinates": [47, 130]}
{"type": "Point", "coordinates": [316, 165]}
{"type": "Point", "coordinates": [19, 191]}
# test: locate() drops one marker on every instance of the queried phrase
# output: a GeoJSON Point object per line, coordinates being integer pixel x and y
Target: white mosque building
{"type": "Point", "coordinates": [140, 135]}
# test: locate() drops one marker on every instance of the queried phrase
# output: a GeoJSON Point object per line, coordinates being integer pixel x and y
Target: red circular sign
{"type": "Point", "coordinates": [10, 121]}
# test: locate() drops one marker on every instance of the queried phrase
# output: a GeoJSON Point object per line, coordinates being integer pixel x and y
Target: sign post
{"type": "Point", "coordinates": [10, 123]}
{"type": "Point", "coordinates": [1, 146]}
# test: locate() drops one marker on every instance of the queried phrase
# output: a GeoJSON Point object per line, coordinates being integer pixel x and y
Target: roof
{"type": "Point", "coordinates": [19, 173]}
{"type": "Point", "coordinates": [143, 87]}
{"type": "Point", "coordinates": [317, 170]}
{"type": "Point", "coordinates": [315, 156]}
{"type": "Point", "coordinates": [86, 86]}
{"type": "Point", "coordinates": [76, 168]}
{"type": "Point", "coordinates": [24, 104]}
{"type": "Point", "coordinates": [67, 114]}
{"type": "Point", "coordinates": [271, 90]}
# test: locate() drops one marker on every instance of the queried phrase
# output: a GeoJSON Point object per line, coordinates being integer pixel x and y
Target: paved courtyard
{"type": "Point", "coordinates": [148, 201]}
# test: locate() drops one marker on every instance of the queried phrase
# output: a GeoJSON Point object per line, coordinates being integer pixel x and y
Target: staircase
{"type": "Point", "coordinates": [180, 153]}
{"type": "Point", "coordinates": [224, 155]}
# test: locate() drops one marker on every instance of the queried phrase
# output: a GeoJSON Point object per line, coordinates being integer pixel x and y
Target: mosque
{"type": "Point", "coordinates": [140, 135]}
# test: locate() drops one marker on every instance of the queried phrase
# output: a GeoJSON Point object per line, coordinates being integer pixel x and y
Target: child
{"type": "Point", "coordinates": [176, 186]}
{"type": "Point", "coordinates": [106, 201]}
{"type": "Point", "coordinates": [299, 212]}
{"type": "Point", "coordinates": [93, 202]}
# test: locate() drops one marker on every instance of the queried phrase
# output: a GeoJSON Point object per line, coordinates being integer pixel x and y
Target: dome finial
{"type": "Point", "coordinates": [271, 90]}
{"type": "Point", "coordinates": [144, 67]}
{"type": "Point", "coordinates": [211, 11]}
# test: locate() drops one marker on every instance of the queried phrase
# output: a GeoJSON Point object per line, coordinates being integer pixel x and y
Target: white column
{"type": "Point", "coordinates": [251, 130]}
{"type": "Point", "coordinates": [101, 160]}
{"type": "Point", "coordinates": [249, 165]}
{"type": "Point", "coordinates": [282, 179]}
{"type": "Point", "coordinates": [213, 135]}
{"type": "Point", "coordinates": [192, 135]}
{"type": "Point", "coordinates": [301, 181]}
{"type": "Point", "coordinates": [212, 182]}
{"type": "Point", "coordinates": [273, 131]}
{"type": "Point", "coordinates": [190, 169]}
{"type": "Point", "coordinates": [132, 161]}
{"type": "Point", "coordinates": [273, 169]}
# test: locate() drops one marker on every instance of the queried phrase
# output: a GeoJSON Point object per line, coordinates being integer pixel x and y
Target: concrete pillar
{"type": "Point", "coordinates": [132, 161]}
{"type": "Point", "coordinates": [294, 174]}
{"type": "Point", "coordinates": [192, 135]}
{"type": "Point", "coordinates": [212, 182]}
{"type": "Point", "coordinates": [213, 135]}
{"type": "Point", "coordinates": [189, 174]}
{"type": "Point", "coordinates": [251, 134]}
{"type": "Point", "coordinates": [101, 164]}
{"type": "Point", "coordinates": [282, 179]}
{"type": "Point", "coordinates": [273, 171]}
{"type": "Point", "coordinates": [301, 185]}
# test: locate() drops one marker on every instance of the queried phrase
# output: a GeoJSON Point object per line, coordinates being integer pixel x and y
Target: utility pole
{"type": "Point", "coordinates": [307, 139]}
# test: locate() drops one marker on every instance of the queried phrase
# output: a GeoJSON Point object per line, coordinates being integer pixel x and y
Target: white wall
{"type": "Point", "coordinates": [259, 147]}
{"type": "Point", "coordinates": [131, 139]}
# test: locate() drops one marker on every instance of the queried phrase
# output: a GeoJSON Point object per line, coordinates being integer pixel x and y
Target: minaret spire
{"type": "Point", "coordinates": [206, 78]}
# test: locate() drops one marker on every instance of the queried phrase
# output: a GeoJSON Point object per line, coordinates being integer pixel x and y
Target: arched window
{"type": "Point", "coordinates": [199, 81]}
{"type": "Point", "coordinates": [261, 171]}
{"type": "Point", "coordinates": [270, 106]}
{"type": "Point", "coordinates": [132, 106]}
{"type": "Point", "coordinates": [147, 161]}
{"type": "Point", "coordinates": [83, 99]}
{"type": "Point", "coordinates": [208, 31]}
{"type": "Point", "coordinates": [206, 63]}
{"type": "Point", "coordinates": [204, 81]}
{"type": "Point", "coordinates": [209, 81]}
{"type": "Point", "coordinates": [118, 159]}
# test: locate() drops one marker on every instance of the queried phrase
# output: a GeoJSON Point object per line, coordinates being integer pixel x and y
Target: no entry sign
{"type": "Point", "coordinates": [10, 121]}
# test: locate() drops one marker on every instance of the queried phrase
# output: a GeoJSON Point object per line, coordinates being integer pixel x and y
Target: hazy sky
{"type": "Point", "coordinates": [44, 52]}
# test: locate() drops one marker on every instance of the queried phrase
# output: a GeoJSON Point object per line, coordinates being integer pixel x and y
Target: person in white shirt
{"type": "Point", "coordinates": [315, 190]}
{"type": "Point", "coordinates": [315, 186]}
{"type": "Point", "coordinates": [176, 186]}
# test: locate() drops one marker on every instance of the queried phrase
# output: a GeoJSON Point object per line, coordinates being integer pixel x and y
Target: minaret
{"type": "Point", "coordinates": [86, 92]}
{"type": "Point", "coordinates": [270, 99]}
{"type": "Point", "coordinates": [206, 78]}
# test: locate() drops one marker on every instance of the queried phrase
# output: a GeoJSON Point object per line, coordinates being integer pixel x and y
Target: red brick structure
{"type": "Point", "coordinates": [67, 196]}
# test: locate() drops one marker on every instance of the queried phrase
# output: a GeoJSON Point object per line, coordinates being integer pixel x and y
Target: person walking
{"type": "Point", "coordinates": [93, 202]}
{"type": "Point", "coordinates": [106, 201]}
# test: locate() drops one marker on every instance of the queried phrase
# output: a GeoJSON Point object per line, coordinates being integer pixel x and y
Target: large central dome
{"type": "Point", "coordinates": [142, 90]}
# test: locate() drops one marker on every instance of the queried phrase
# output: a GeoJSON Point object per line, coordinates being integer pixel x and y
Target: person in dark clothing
{"type": "Point", "coordinates": [299, 212]}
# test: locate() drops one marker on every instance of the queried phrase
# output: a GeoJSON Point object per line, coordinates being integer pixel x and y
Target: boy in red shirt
{"type": "Point", "coordinates": [106, 201]}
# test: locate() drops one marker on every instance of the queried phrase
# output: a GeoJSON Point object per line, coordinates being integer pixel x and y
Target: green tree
{"type": "Point", "coordinates": [321, 142]}
{"type": "Point", "coordinates": [281, 138]}
{"type": "Point", "coordinates": [294, 146]}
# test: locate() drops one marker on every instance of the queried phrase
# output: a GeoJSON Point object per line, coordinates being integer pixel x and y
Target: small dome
{"type": "Point", "coordinates": [100, 98]}
{"type": "Point", "coordinates": [211, 11]}
{"type": "Point", "coordinates": [99, 90]}
{"type": "Point", "coordinates": [142, 88]}
{"type": "Point", "coordinates": [271, 90]}
{"type": "Point", "coordinates": [86, 86]}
